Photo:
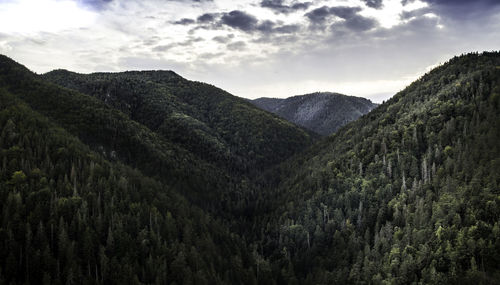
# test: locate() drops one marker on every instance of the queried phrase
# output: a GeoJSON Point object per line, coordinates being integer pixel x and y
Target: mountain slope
{"type": "Point", "coordinates": [113, 134]}
{"type": "Point", "coordinates": [203, 119]}
{"type": "Point", "coordinates": [409, 193]}
{"type": "Point", "coordinates": [164, 165]}
{"type": "Point", "coordinates": [71, 216]}
{"type": "Point", "coordinates": [323, 113]}
{"type": "Point", "coordinates": [92, 189]}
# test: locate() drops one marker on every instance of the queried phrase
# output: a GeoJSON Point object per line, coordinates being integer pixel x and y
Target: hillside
{"type": "Point", "coordinates": [407, 194]}
{"type": "Point", "coordinates": [322, 113]}
{"type": "Point", "coordinates": [69, 215]}
{"type": "Point", "coordinates": [209, 122]}
{"type": "Point", "coordinates": [146, 177]}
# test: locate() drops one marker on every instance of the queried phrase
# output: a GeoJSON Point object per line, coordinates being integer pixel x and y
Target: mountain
{"type": "Point", "coordinates": [97, 189]}
{"type": "Point", "coordinates": [323, 113]}
{"type": "Point", "coordinates": [407, 194]}
{"type": "Point", "coordinates": [209, 122]}
{"type": "Point", "coordinates": [75, 209]}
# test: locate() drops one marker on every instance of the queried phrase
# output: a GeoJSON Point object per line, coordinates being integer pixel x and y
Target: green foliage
{"type": "Point", "coordinates": [98, 189]}
{"type": "Point", "coordinates": [201, 118]}
{"type": "Point", "coordinates": [407, 194]}
{"type": "Point", "coordinates": [71, 216]}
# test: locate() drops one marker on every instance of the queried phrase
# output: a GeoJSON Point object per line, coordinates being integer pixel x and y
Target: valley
{"type": "Point", "coordinates": [146, 177]}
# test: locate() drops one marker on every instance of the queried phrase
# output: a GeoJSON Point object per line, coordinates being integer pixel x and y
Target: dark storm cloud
{"type": "Point", "coordinates": [318, 15]}
{"type": "Point", "coordinates": [184, 21]}
{"type": "Point", "coordinates": [344, 12]}
{"type": "Point", "coordinates": [377, 4]}
{"type": "Point", "coordinates": [239, 20]}
{"type": "Point", "coordinates": [266, 26]}
{"type": "Point", "coordinates": [359, 23]}
{"type": "Point", "coordinates": [250, 24]}
{"type": "Point", "coordinates": [278, 6]}
{"type": "Point", "coordinates": [270, 27]}
{"type": "Point", "coordinates": [207, 18]}
{"type": "Point", "coordinates": [301, 6]}
{"type": "Point", "coordinates": [352, 20]}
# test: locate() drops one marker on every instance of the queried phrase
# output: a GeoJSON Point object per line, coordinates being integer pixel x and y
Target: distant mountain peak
{"type": "Point", "coordinates": [320, 112]}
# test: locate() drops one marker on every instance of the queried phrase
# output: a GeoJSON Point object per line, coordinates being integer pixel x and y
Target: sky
{"type": "Point", "coordinates": [253, 48]}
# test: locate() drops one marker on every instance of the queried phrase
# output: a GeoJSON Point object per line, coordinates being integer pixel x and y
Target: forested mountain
{"type": "Point", "coordinates": [211, 123]}
{"type": "Point", "coordinates": [323, 112]}
{"type": "Point", "coordinates": [74, 216]}
{"type": "Point", "coordinates": [408, 194]}
{"type": "Point", "coordinates": [145, 177]}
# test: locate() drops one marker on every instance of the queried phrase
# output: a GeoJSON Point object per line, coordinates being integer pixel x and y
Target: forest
{"type": "Point", "coordinates": [149, 178]}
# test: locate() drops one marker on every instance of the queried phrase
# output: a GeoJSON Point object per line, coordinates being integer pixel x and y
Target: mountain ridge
{"type": "Point", "coordinates": [321, 112]}
{"type": "Point", "coordinates": [171, 105]}
{"type": "Point", "coordinates": [408, 193]}
{"type": "Point", "coordinates": [371, 203]}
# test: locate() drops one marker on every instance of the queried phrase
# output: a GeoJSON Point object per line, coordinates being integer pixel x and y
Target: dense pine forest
{"type": "Point", "coordinates": [409, 193]}
{"type": "Point", "coordinates": [149, 178]}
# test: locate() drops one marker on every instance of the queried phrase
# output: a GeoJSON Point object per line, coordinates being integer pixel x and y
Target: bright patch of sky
{"type": "Point", "coordinates": [30, 17]}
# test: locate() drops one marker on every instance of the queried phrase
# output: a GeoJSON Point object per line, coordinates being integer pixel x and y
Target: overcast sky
{"type": "Point", "coordinates": [253, 48]}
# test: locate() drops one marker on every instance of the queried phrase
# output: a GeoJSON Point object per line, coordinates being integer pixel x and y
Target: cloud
{"type": "Point", "coordinates": [207, 18]}
{"type": "Point", "coordinates": [344, 12]}
{"type": "Point", "coordinates": [211, 55]}
{"type": "Point", "coordinates": [377, 4]}
{"type": "Point", "coordinates": [318, 15]}
{"type": "Point", "coordinates": [239, 45]}
{"type": "Point", "coordinates": [407, 15]}
{"type": "Point", "coordinates": [352, 20]}
{"type": "Point", "coordinates": [223, 39]}
{"type": "Point", "coordinates": [184, 21]}
{"type": "Point", "coordinates": [360, 23]}
{"type": "Point", "coordinates": [301, 6]}
{"type": "Point", "coordinates": [239, 20]}
{"type": "Point", "coordinates": [463, 2]}
{"type": "Point", "coordinates": [262, 48]}
{"type": "Point", "coordinates": [250, 24]}
{"type": "Point", "coordinates": [191, 41]}
{"type": "Point", "coordinates": [462, 9]}
{"type": "Point", "coordinates": [163, 48]}
{"type": "Point", "coordinates": [287, 29]}
{"type": "Point", "coordinates": [266, 26]}
{"type": "Point", "coordinates": [278, 6]}
{"type": "Point", "coordinates": [95, 4]}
